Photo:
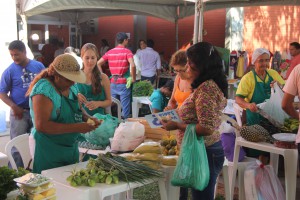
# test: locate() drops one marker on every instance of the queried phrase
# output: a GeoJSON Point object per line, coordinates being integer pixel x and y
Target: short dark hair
{"type": "Point", "coordinates": [17, 44]}
{"type": "Point", "coordinates": [295, 44]}
{"type": "Point", "coordinates": [150, 43]}
{"type": "Point", "coordinates": [209, 63]}
{"type": "Point", "coordinates": [120, 37]}
{"type": "Point", "coordinates": [169, 84]}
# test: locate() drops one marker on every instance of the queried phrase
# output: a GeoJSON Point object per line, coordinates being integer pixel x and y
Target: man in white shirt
{"type": "Point", "coordinates": [150, 62]}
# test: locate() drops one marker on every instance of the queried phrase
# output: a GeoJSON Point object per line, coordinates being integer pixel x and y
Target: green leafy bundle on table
{"type": "Point", "coordinates": [7, 177]}
{"type": "Point", "coordinates": [142, 88]}
{"type": "Point", "coordinates": [110, 169]}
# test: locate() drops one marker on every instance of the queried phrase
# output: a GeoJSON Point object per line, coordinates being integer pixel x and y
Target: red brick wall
{"type": "Point", "coordinates": [108, 27]}
{"type": "Point", "coordinates": [272, 27]}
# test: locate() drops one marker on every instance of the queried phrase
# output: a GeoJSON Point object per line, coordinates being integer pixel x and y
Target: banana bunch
{"type": "Point", "coordinates": [290, 125]}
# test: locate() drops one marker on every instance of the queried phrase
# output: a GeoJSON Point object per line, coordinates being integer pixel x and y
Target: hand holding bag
{"type": "Point", "coordinates": [192, 169]}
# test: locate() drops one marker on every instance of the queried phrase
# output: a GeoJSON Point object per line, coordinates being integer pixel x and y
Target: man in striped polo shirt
{"type": "Point", "coordinates": [121, 65]}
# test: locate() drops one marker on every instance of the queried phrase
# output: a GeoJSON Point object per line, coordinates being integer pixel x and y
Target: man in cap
{"type": "Point", "coordinates": [14, 84]}
{"type": "Point", "coordinates": [122, 68]}
{"type": "Point", "coordinates": [295, 53]}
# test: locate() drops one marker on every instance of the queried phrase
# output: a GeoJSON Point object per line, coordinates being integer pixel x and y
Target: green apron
{"type": "Point", "coordinates": [262, 91]}
{"type": "Point", "coordinates": [53, 151]}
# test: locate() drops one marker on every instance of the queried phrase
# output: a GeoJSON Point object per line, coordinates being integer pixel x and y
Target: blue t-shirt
{"type": "Point", "coordinates": [158, 100]}
{"type": "Point", "coordinates": [16, 79]}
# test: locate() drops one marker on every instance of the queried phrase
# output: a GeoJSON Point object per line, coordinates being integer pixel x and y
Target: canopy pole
{"type": "Point", "coordinates": [24, 36]}
{"type": "Point", "coordinates": [198, 22]}
{"type": "Point", "coordinates": [176, 33]}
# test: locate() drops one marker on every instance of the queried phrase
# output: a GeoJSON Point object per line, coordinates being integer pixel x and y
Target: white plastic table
{"type": "Point", "coordinates": [137, 104]}
{"type": "Point", "coordinates": [98, 192]}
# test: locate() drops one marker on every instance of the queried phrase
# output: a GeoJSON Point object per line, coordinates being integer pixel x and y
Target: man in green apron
{"type": "Point", "coordinates": [57, 118]}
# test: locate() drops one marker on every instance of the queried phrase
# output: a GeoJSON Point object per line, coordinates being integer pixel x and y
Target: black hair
{"type": "Point", "coordinates": [150, 43]}
{"type": "Point", "coordinates": [17, 44]}
{"type": "Point", "coordinates": [169, 84]}
{"type": "Point", "coordinates": [105, 42]}
{"type": "Point", "coordinates": [209, 63]}
{"type": "Point", "coordinates": [141, 40]}
{"type": "Point", "coordinates": [295, 44]}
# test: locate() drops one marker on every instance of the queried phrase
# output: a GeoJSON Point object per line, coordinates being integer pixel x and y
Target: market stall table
{"type": "Point", "coordinates": [65, 191]}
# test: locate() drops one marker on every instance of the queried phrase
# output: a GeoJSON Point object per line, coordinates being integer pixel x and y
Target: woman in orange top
{"type": "Point", "coordinates": [182, 89]}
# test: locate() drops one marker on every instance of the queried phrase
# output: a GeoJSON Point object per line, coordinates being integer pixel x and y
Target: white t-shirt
{"type": "Point", "coordinates": [292, 86]}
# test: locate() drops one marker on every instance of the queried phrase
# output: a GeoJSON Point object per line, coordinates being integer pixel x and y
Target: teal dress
{"type": "Point", "coordinates": [158, 100]}
{"type": "Point", "coordinates": [52, 150]}
{"type": "Point", "coordinates": [86, 90]}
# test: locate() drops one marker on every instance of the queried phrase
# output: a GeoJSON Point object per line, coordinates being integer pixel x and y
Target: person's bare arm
{"type": "Point", "coordinates": [42, 108]}
{"type": "Point", "coordinates": [287, 105]}
{"type": "Point", "coordinates": [18, 111]}
{"type": "Point", "coordinates": [100, 62]}
{"type": "Point", "coordinates": [132, 69]}
{"type": "Point", "coordinates": [245, 105]}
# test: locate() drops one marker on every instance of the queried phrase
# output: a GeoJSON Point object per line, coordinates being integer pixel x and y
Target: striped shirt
{"type": "Point", "coordinates": [118, 63]}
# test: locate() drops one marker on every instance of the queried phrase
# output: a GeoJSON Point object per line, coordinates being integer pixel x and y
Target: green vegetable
{"type": "Point", "coordinates": [142, 88]}
{"type": "Point", "coordinates": [7, 183]}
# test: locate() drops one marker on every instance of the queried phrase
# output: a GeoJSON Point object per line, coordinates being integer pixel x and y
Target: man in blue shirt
{"type": "Point", "coordinates": [160, 97]}
{"type": "Point", "coordinates": [15, 81]}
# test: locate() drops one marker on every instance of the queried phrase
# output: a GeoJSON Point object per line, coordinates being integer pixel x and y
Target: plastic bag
{"type": "Point", "coordinates": [100, 136]}
{"type": "Point", "coordinates": [228, 142]}
{"type": "Point", "coordinates": [192, 169]}
{"type": "Point", "coordinates": [261, 182]}
{"type": "Point", "coordinates": [272, 106]}
{"type": "Point", "coordinates": [128, 136]}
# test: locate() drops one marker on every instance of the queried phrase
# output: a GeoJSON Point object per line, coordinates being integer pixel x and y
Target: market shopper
{"type": "Point", "coordinates": [255, 86]}
{"type": "Point", "coordinates": [291, 89]}
{"type": "Point", "coordinates": [122, 68]}
{"type": "Point", "coordinates": [94, 94]}
{"type": "Point", "coordinates": [57, 118]}
{"type": "Point", "coordinates": [295, 53]}
{"type": "Point", "coordinates": [204, 107]}
{"type": "Point", "coordinates": [182, 88]}
{"type": "Point", "coordinates": [160, 97]}
{"type": "Point", "coordinates": [14, 83]}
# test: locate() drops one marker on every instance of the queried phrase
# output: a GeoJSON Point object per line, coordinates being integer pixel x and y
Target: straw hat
{"type": "Point", "coordinates": [67, 66]}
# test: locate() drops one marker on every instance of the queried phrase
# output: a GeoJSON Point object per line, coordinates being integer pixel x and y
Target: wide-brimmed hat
{"type": "Point", "coordinates": [67, 66]}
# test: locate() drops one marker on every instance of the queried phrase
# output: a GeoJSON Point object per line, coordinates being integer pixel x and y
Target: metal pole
{"type": "Point", "coordinates": [176, 33]}
{"type": "Point", "coordinates": [196, 22]}
{"type": "Point", "coordinates": [201, 16]}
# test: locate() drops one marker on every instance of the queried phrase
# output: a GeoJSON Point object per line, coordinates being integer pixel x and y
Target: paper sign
{"type": "Point", "coordinates": [154, 121]}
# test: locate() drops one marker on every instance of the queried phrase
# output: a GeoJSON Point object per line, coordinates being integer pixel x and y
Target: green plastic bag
{"type": "Point", "coordinates": [192, 169]}
{"type": "Point", "coordinates": [100, 136]}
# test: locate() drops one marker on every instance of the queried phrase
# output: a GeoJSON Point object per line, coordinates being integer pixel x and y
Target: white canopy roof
{"type": "Point", "coordinates": [83, 10]}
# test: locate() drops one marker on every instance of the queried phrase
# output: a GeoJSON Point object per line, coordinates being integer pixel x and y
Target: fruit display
{"type": "Point", "coordinates": [169, 145]}
{"type": "Point", "coordinates": [290, 125]}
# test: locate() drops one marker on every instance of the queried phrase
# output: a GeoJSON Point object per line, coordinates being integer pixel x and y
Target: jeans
{"type": "Point", "coordinates": [215, 156]}
{"type": "Point", "coordinates": [119, 91]}
{"type": "Point", "coordinates": [151, 79]}
{"type": "Point", "coordinates": [19, 127]}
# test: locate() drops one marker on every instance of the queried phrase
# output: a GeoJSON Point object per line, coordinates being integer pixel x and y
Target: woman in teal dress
{"type": "Point", "coordinates": [57, 118]}
{"type": "Point", "coordinates": [95, 94]}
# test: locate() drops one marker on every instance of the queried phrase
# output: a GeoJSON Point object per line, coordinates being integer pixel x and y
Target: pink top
{"type": "Point", "coordinates": [295, 61]}
{"type": "Point", "coordinates": [292, 86]}
{"type": "Point", "coordinates": [118, 62]}
{"type": "Point", "coordinates": [204, 107]}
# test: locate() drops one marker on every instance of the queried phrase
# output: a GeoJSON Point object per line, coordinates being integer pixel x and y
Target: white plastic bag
{"type": "Point", "coordinates": [127, 136]}
{"type": "Point", "coordinates": [272, 106]}
{"type": "Point", "coordinates": [261, 183]}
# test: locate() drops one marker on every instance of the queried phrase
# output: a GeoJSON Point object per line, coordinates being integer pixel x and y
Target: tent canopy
{"type": "Point", "coordinates": [171, 10]}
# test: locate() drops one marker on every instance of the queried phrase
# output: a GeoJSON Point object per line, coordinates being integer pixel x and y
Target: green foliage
{"type": "Point", "coordinates": [7, 183]}
{"type": "Point", "coordinates": [142, 88]}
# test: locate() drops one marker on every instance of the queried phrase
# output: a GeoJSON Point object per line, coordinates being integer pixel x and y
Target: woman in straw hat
{"type": "Point", "coordinates": [95, 94]}
{"type": "Point", "coordinates": [57, 118]}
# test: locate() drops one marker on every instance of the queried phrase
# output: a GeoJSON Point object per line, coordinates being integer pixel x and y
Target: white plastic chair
{"type": "Point", "coordinates": [3, 160]}
{"type": "Point", "coordinates": [290, 159]}
{"type": "Point", "coordinates": [22, 144]}
{"type": "Point", "coordinates": [116, 101]}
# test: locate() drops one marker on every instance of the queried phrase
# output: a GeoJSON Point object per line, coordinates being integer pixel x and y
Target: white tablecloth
{"type": "Point", "coordinates": [99, 191]}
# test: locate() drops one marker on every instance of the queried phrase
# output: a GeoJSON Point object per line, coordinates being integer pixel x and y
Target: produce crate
{"type": "Point", "coordinates": [151, 133]}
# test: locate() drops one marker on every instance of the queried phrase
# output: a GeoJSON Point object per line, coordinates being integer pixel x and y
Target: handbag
{"type": "Point", "coordinates": [192, 169]}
